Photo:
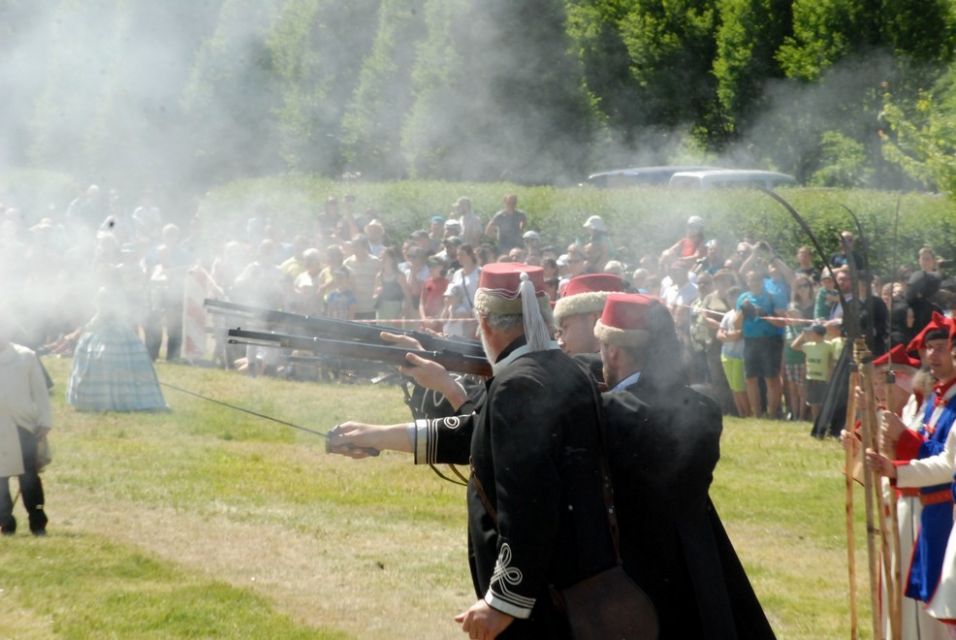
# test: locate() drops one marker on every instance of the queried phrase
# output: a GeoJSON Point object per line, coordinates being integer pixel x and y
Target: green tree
{"type": "Point", "coordinates": [851, 49]}
{"type": "Point", "coordinates": [671, 47]}
{"type": "Point", "coordinates": [139, 136]}
{"type": "Point", "coordinates": [843, 162]}
{"type": "Point", "coordinates": [750, 33]}
{"type": "Point", "coordinates": [498, 94]}
{"type": "Point", "coordinates": [317, 47]}
{"type": "Point", "coordinates": [594, 27]}
{"type": "Point", "coordinates": [231, 96]}
{"type": "Point", "coordinates": [24, 59]}
{"type": "Point", "coordinates": [372, 124]}
{"type": "Point", "coordinates": [921, 139]}
{"type": "Point", "coordinates": [66, 104]}
{"type": "Point", "coordinates": [827, 31]}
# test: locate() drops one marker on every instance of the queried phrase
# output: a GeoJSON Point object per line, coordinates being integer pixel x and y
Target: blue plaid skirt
{"type": "Point", "coordinates": [112, 371]}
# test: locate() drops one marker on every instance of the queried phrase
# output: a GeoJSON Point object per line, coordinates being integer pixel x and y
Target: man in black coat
{"type": "Point", "coordinates": [536, 514]}
{"type": "Point", "coordinates": [663, 443]}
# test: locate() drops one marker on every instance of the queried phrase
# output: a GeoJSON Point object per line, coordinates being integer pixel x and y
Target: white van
{"type": "Point", "coordinates": [640, 176]}
{"type": "Point", "coordinates": [730, 178]}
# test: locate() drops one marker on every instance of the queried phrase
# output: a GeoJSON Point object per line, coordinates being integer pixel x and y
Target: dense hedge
{"type": "Point", "coordinates": [642, 220]}
{"type": "Point", "coordinates": [38, 193]}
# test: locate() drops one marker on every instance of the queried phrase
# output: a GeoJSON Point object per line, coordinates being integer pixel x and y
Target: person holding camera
{"type": "Point", "coordinates": [761, 319]}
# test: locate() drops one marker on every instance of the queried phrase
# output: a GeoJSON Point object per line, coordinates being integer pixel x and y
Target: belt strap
{"type": "Point", "coordinates": [936, 497]}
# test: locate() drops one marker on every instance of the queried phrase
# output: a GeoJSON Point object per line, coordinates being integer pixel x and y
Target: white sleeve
{"type": "Point", "coordinates": [929, 471]}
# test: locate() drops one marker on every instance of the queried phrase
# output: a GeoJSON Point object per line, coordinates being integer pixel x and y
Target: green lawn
{"type": "Point", "coordinates": [207, 523]}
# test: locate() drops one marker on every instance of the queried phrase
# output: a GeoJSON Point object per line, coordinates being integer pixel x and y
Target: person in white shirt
{"type": "Point", "coordinates": [25, 420]}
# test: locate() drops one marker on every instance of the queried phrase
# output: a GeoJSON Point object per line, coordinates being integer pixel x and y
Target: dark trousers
{"type": "Point", "coordinates": [31, 489]}
{"type": "Point", "coordinates": [718, 380]}
{"type": "Point", "coordinates": [172, 318]}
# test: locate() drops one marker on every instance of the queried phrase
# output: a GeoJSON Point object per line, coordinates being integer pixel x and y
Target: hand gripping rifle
{"type": "Point", "coordinates": [338, 330]}
{"type": "Point", "coordinates": [453, 361]}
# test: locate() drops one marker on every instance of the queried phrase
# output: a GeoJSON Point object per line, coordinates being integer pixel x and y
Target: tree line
{"type": "Point", "coordinates": [193, 93]}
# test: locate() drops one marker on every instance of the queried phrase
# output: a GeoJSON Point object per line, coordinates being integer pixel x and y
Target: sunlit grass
{"type": "Point", "coordinates": [88, 587]}
{"type": "Point", "coordinates": [188, 519]}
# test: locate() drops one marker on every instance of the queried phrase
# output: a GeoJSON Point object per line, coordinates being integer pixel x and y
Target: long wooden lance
{"type": "Point", "coordinates": [877, 556]}
{"type": "Point", "coordinates": [870, 484]}
{"type": "Point", "coordinates": [896, 603]}
{"type": "Point", "coordinates": [848, 467]}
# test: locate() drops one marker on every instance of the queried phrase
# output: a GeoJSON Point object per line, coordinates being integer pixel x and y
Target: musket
{"type": "Point", "coordinates": [329, 328]}
{"type": "Point", "coordinates": [324, 347]}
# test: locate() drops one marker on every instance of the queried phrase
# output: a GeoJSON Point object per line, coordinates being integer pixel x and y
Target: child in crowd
{"type": "Point", "coordinates": [819, 364]}
{"type": "Point", "coordinates": [835, 338]}
{"type": "Point", "coordinates": [794, 365]}
{"type": "Point", "coordinates": [732, 356]}
{"type": "Point", "coordinates": [340, 301]}
{"type": "Point", "coordinates": [432, 300]}
{"type": "Point", "coordinates": [827, 296]}
{"type": "Point", "coordinates": [457, 315]}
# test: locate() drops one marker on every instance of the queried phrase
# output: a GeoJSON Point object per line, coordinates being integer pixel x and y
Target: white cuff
{"type": "Point", "coordinates": [418, 430]}
{"type": "Point", "coordinates": [495, 601]}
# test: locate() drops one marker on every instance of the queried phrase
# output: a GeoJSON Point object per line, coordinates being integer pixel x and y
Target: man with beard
{"type": "Point", "coordinates": [663, 442]}
{"type": "Point", "coordinates": [536, 512]}
{"type": "Point", "coordinates": [574, 316]}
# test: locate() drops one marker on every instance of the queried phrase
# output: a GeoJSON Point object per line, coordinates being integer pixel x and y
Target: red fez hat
{"type": "Point", "coordinates": [897, 358]}
{"type": "Point", "coordinates": [939, 327]}
{"type": "Point", "coordinates": [502, 279]}
{"type": "Point", "coordinates": [586, 294]}
{"type": "Point", "coordinates": [514, 288]}
{"type": "Point", "coordinates": [625, 322]}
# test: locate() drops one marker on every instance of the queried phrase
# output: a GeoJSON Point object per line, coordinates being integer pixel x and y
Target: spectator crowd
{"type": "Point", "coordinates": [761, 330]}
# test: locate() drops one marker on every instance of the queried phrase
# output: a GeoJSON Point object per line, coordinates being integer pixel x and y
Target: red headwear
{"type": "Point", "coordinates": [586, 294]}
{"type": "Point", "coordinates": [938, 327]}
{"type": "Point", "coordinates": [897, 358]}
{"type": "Point", "coordinates": [625, 322]}
{"type": "Point", "coordinates": [514, 288]}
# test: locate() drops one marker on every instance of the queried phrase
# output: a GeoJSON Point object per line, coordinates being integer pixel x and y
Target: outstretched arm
{"type": "Point", "coordinates": [359, 440]}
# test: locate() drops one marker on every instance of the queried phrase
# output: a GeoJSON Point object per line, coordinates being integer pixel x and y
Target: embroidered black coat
{"type": "Point", "coordinates": [533, 448]}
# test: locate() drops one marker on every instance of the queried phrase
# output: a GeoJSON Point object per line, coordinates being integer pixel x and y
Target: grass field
{"type": "Point", "coordinates": [206, 523]}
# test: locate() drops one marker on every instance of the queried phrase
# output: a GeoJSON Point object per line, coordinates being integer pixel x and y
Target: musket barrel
{"type": "Point", "coordinates": [451, 360]}
{"type": "Point", "coordinates": [330, 328]}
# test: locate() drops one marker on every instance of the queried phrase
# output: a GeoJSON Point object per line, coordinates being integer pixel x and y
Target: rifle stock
{"type": "Point", "coordinates": [329, 328]}
{"type": "Point", "coordinates": [324, 347]}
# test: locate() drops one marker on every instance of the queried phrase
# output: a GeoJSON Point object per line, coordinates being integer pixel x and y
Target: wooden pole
{"type": "Point", "coordinates": [896, 595]}
{"type": "Point", "coordinates": [848, 474]}
{"type": "Point", "coordinates": [895, 587]}
{"type": "Point", "coordinates": [863, 360]}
